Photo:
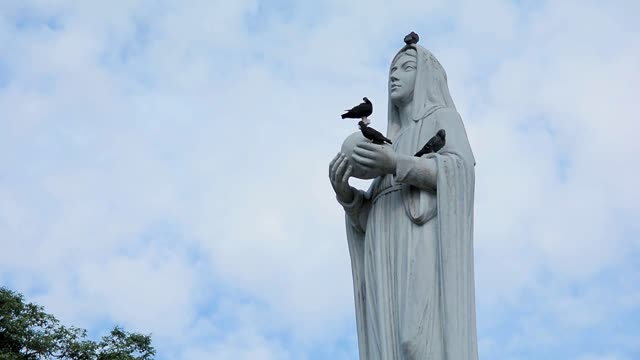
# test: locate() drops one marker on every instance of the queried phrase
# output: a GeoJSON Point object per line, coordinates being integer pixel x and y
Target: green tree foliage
{"type": "Point", "coordinates": [28, 333]}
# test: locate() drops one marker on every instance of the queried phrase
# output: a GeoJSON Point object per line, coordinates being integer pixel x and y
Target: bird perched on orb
{"type": "Point", "coordinates": [434, 144]}
{"type": "Point", "coordinates": [411, 38]}
{"type": "Point", "coordinates": [372, 134]}
{"type": "Point", "coordinates": [361, 111]}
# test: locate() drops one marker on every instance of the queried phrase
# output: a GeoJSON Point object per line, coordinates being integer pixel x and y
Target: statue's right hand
{"type": "Point", "coordinates": [339, 173]}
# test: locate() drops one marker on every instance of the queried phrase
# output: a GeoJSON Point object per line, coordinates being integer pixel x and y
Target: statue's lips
{"type": "Point", "coordinates": [394, 86]}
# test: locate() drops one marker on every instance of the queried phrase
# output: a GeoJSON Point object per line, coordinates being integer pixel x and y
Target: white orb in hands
{"type": "Point", "coordinates": [358, 171]}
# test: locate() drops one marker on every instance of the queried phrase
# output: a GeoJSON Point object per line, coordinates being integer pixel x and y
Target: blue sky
{"type": "Point", "coordinates": [158, 168]}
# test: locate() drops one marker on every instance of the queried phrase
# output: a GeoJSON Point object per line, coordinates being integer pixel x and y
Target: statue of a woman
{"type": "Point", "coordinates": [411, 235]}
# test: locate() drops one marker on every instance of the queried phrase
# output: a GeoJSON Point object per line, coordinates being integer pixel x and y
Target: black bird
{"type": "Point", "coordinates": [361, 111]}
{"type": "Point", "coordinates": [372, 134]}
{"type": "Point", "coordinates": [434, 144]}
{"type": "Point", "coordinates": [411, 38]}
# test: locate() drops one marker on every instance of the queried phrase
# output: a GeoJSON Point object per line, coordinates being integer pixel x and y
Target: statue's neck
{"type": "Point", "coordinates": [404, 113]}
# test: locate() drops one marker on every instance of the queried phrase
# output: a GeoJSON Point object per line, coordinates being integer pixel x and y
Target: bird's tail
{"type": "Point", "coordinates": [425, 150]}
{"type": "Point", "coordinates": [344, 116]}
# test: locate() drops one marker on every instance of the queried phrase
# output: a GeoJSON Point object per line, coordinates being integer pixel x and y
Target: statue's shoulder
{"type": "Point", "coordinates": [446, 113]}
{"type": "Point", "coordinates": [438, 119]}
{"type": "Point", "coordinates": [447, 118]}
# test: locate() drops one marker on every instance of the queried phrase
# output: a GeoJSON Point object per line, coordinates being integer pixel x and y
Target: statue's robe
{"type": "Point", "coordinates": [411, 248]}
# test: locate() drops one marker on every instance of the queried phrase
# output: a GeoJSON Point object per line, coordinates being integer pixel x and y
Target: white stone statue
{"type": "Point", "coordinates": [411, 235]}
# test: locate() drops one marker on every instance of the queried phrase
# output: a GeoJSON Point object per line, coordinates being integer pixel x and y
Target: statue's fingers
{"type": "Point", "coordinates": [364, 152]}
{"type": "Point", "coordinates": [363, 160]}
{"type": "Point", "coordinates": [366, 168]}
{"type": "Point", "coordinates": [331, 166]}
{"type": "Point", "coordinates": [335, 165]}
{"type": "Point", "coordinates": [341, 171]}
{"type": "Point", "coordinates": [347, 173]}
{"type": "Point", "coordinates": [344, 164]}
{"type": "Point", "coordinates": [373, 156]}
{"type": "Point", "coordinates": [332, 173]}
{"type": "Point", "coordinates": [368, 146]}
{"type": "Point", "coordinates": [333, 161]}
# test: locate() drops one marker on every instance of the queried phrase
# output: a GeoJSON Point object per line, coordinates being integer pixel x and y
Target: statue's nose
{"type": "Point", "coordinates": [393, 76]}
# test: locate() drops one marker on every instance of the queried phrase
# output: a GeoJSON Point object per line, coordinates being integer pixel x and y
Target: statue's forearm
{"type": "Point", "coordinates": [420, 172]}
{"type": "Point", "coordinates": [352, 203]}
{"type": "Point", "coordinates": [356, 209]}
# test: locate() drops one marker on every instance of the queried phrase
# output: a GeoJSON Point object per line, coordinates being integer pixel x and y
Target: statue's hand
{"type": "Point", "coordinates": [373, 156]}
{"type": "Point", "coordinates": [339, 173]}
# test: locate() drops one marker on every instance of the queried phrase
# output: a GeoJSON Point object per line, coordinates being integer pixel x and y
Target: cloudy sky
{"type": "Point", "coordinates": [163, 166]}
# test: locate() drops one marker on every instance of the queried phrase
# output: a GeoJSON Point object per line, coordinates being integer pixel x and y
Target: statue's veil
{"type": "Point", "coordinates": [430, 92]}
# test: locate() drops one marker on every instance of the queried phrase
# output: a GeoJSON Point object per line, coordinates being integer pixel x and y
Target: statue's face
{"type": "Point", "coordinates": [402, 79]}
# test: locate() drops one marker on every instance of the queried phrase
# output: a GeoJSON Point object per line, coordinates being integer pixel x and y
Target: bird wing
{"type": "Point", "coordinates": [360, 107]}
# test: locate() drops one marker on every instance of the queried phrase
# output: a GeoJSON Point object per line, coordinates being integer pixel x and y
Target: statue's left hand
{"type": "Point", "coordinates": [373, 156]}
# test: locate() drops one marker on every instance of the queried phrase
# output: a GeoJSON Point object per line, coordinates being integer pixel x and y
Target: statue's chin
{"type": "Point", "coordinates": [400, 99]}
{"type": "Point", "coordinates": [347, 148]}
